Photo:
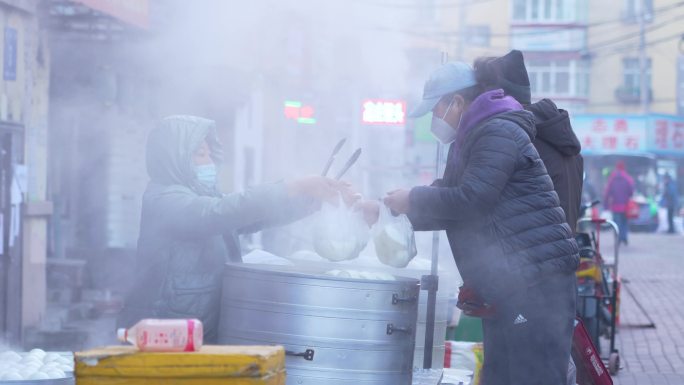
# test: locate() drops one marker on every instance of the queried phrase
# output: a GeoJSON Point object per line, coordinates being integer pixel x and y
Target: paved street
{"type": "Point", "coordinates": [653, 268]}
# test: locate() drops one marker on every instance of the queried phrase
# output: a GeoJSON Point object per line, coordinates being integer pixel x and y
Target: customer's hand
{"type": "Point", "coordinates": [398, 201]}
{"type": "Point", "coordinates": [370, 210]}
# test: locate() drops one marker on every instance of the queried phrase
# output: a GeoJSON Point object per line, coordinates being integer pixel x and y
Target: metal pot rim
{"type": "Point", "coordinates": [282, 270]}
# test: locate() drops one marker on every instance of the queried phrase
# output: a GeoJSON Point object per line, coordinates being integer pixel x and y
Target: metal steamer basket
{"type": "Point", "coordinates": [336, 331]}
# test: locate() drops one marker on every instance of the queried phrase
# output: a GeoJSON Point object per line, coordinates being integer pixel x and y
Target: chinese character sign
{"type": "Point", "coordinates": [661, 132]}
{"type": "Point", "coordinates": [609, 134]}
{"type": "Point", "coordinates": [387, 112]}
{"type": "Point", "coordinates": [667, 134]}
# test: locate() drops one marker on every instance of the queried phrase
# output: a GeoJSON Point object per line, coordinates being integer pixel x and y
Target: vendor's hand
{"type": "Point", "coordinates": [370, 210]}
{"type": "Point", "coordinates": [350, 197]}
{"type": "Point", "coordinates": [398, 201]}
{"type": "Point", "coordinates": [316, 187]}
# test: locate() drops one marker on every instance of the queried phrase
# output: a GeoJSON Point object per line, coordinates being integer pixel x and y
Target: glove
{"type": "Point", "coordinates": [473, 305]}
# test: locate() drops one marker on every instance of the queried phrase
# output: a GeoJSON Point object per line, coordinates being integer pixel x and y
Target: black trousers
{"type": "Point", "coordinates": [530, 343]}
{"type": "Point", "coordinates": [670, 219]}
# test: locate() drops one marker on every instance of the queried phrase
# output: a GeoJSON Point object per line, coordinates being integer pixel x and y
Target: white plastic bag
{"type": "Point", "coordinates": [395, 244]}
{"type": "Point", "coordinates": [340, 233]}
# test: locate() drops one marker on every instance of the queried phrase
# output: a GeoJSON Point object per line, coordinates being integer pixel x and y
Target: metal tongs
{"type": "Point", "coordinates": [347, 166]}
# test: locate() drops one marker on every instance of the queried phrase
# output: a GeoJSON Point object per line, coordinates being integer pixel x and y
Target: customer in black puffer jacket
{"type": "Point", "coordinates": [507, 232]}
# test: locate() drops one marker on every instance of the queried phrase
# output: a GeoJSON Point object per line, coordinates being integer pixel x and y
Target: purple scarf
{"type": "Point", "coordinates": [482, 108]}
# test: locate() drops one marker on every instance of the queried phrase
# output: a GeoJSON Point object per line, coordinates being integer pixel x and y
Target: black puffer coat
{"type": "Point", "coordinates": [559, 148]}
{"type": "Point", "coordinates": [499, 209]}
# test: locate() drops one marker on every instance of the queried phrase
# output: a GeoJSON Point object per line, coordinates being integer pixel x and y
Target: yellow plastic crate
{"type": "Point", "coordinates": [230, 365]}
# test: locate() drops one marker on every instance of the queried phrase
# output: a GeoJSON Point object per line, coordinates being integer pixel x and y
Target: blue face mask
{"type": "Point", "coordinates": [206, 174]}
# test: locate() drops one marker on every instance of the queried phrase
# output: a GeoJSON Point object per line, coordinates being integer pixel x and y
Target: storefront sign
{"type": "Point", "coordinates": [134, 12]}
{"type": "Point", "coordinates": [299, 112]}
{"type": "Point", "coordinates": [667, 134]}
{"type": "Point", "coordinates": [610, 134]}
{"type": "Point", "coordinates": [606, 134]}
{"type": "Point", "coordinates": [421, 129]}
{"type": "Point", "coordinates": [385, 112]}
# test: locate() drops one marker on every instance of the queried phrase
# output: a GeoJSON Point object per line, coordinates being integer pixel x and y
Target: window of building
{"type": "Point", "coordinates": [478, 35]}
{"type": "Point", "coordinates": [562, 78]}
{"type": "Point", "coordinates": [519, 10]}
{"type": "Point", "coordinates": [548, 11]}
{"type": "Point", "coordinates": [559, 78]}
{"type": "Point", "coordinates": [632, 74]}
{"type": "Point", "coordinates": [572, 107]}
{"type": "Point", "coordinates": [631, 12]}
{"type": "Point", "coordinates": [427, 11]}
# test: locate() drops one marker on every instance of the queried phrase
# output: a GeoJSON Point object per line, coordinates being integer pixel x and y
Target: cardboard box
{"type": "Point", "coordinates": [230, 365]}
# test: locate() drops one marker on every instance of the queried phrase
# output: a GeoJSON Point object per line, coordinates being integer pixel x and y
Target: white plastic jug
{"type": "Point", "coordinates": [164, 335]}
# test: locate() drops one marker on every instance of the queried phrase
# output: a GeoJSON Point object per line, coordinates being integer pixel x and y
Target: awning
{"type": "Point", "coordinates": [133, 12]}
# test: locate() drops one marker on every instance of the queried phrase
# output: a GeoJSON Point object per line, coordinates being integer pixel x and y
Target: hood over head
{"type": "Point", "coordinates": [554, 128]}
{"type": "Point", "coordinates": [171, 145]}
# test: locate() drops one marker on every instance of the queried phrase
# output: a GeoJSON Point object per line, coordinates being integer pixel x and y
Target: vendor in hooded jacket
{"type": "Point", "coordinates": [189, 229]}
{"type": "Point", "coordinates": [508, 234]}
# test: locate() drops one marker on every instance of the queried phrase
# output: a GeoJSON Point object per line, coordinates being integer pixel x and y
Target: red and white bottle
{"type": "Point", "coordinates": [164, 335]}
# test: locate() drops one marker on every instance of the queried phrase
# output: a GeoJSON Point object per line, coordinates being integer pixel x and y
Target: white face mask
{"type": "Point", "coordinates": [442, 130]}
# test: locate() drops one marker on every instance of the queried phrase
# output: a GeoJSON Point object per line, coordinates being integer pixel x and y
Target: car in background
{"type": "Point", "coordinates": [648, 220]}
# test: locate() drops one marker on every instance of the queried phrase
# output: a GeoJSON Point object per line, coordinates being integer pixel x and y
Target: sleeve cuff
{"type": "Point", "coordinates": [419, 198]}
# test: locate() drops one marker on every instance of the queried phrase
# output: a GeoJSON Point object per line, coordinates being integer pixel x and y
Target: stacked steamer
{"type": "Point", "coordinates": [337, 330]}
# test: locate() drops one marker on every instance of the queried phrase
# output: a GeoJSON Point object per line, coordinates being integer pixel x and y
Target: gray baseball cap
{"type": "Point", "coordinates": [449, 78]}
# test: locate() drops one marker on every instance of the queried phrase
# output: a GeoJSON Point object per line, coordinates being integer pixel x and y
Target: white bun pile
{"type": "Point", "coordinates": [34, 365]}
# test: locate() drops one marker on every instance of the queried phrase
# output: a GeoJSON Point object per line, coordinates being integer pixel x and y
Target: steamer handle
{"type": "Point", "coordinates": [397, 300]}
{"type": "Point", "coordinates": [308, 354]}
{"type": "Point", "coordinates": [391, 329]}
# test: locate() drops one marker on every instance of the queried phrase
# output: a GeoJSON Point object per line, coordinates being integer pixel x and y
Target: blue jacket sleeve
{"type": "Point", "coordinates": [491, 163]}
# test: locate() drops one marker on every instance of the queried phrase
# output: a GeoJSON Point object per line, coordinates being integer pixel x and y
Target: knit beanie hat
{"type": "Point", "coordinates": [513, 76]}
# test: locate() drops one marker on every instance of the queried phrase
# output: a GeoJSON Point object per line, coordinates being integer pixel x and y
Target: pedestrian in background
{"type": "Point", "coordinates": [670, 201]}
{"type": "Point", "coordinates": [619, 191]}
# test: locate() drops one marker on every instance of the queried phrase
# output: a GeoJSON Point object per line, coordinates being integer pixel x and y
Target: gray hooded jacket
{"type": "Point", "coordinates": [189, 231]}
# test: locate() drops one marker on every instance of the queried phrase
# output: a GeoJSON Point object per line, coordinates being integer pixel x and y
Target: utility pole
{"type": "Point", "coordinates": [430, 283]}
{"type": "Point", "coordinates": [462, 20]}
{"type": "Point", "coordinates": [644, 91]}
{"type": "Point", "coordinates": [680, 78]}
